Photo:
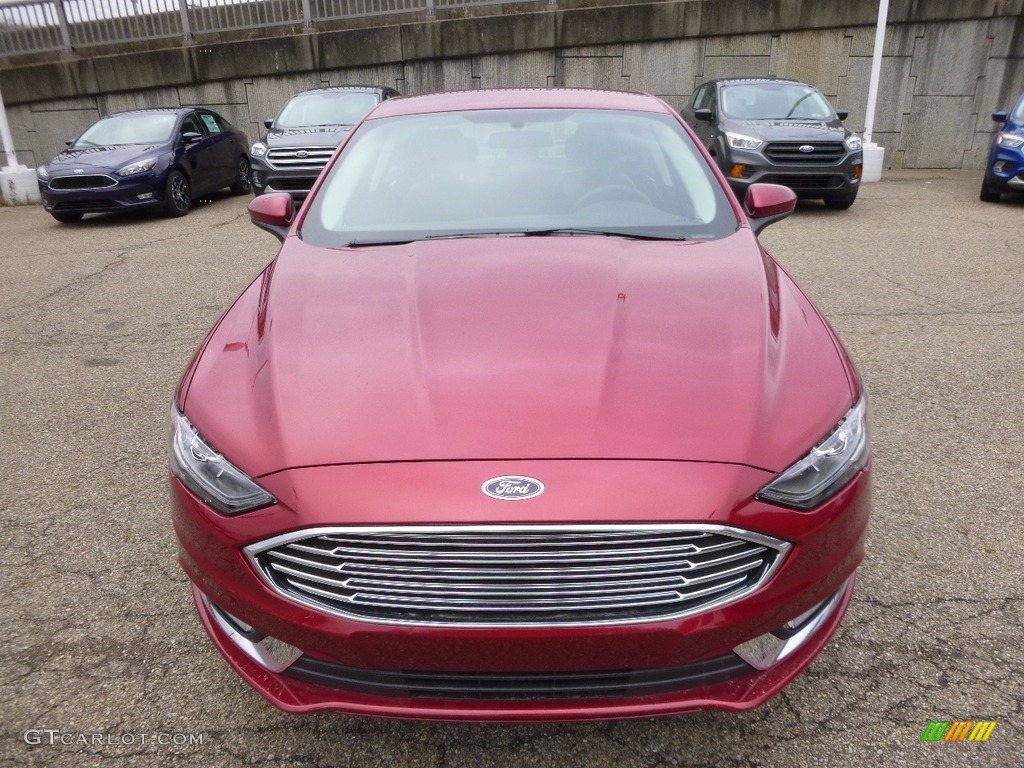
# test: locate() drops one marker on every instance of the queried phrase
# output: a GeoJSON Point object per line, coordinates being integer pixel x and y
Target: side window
{"type": "Point", "coordinates": [700, 100]}
{"type": "Point", "coordinates": [191, 125]}
{"type": "Point", "coordinates": [210, 121]}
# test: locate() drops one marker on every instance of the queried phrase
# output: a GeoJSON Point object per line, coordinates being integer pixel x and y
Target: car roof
{"type": "Point", "coordinates": [170, 110]}
{"type": "Point", "coordinates": [758, 80]}
{"type": "Point", "coordinates": [354, 88]}
{"type": "Point", "coordinates": [519, 98]}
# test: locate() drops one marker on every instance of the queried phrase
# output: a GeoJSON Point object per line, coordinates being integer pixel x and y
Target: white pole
{"type": "Point", "coordinates": [5, 136]}
{"type": "Point", "coordinates": [876, 69]}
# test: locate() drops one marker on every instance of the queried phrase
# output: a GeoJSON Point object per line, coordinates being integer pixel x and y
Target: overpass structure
{"type": "Point", "coordinates": [946, 66]}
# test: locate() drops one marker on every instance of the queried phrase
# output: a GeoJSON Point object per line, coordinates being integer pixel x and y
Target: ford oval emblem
{"type": "Point", "coordinates": [302, 153]}
{"type": "Point", "coordinates": [806, 148]}
{"type": "Point", "coordinates": [513, 488]}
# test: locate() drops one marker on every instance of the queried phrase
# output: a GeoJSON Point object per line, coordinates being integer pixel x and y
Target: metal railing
{"type": "Point", "coordinates": [35, 26]}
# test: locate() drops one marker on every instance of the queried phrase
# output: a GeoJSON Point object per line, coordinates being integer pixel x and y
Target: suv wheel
{"type": "Point", "coordinates": [989, 195]}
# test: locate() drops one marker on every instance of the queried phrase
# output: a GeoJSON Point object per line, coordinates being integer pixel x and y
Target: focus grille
{"type": "Point", "coordinates": [82, 182]}
{"type": "Point", "coordinates": [788, 152]}
{"type": "Point", "coordinates": [517, 575]}
{"type": "Point", "coordinates": [300, 158]}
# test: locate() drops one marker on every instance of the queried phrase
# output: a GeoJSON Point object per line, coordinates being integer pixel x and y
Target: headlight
{"type": "Point", "coordinates": [140, 167]}
{"type": "Point", "coordinates": [740, 141]}
{"type": "Point", "coordinates": [259, 149]}
{"type": "Point", "coordinates": [1009, 140]}
{"type": "Point", "coordinates": [854, 143]}
{"type": "Point", "coordinates": [208, 474]}
{"type": "Point", "coordinates": [827, 468]}
{"type": "Point", "coordinates": [42, 173]}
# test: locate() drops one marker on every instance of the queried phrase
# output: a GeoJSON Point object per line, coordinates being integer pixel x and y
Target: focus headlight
{"type": "Point", "coordinates": [1009, 140]}
{"type": "Point", "coordinates": [259, 149]}
{"type": "Point", "coordinates": [740, 141]}
{"type": "Point", "coordinates": [42, 172]}
{"type": "Point", "coordinates": [854, 143]}
{"type": "Point", "coordinates": [827, 468]}
{"type": "Point", "coordinates": [140, 167]}
{"type": "Point", "coordinates": [209, 475]}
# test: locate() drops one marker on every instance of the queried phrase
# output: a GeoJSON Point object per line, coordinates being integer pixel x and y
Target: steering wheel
{"type": "Point", "coordinates": [612, 193]}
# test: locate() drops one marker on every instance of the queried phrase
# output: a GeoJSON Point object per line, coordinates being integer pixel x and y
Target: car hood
{"type": "Point", "coordinates": [788, 130]}
{"type": "Point", "coordinates": [102, 158]}
{"type": "Point", "coordinates": [317, 136]}
{"type": "Point", "coordinates": [519, 348]}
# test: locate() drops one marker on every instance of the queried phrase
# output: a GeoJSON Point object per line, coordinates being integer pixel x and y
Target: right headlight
{"type": "Point", "coordinates": [828, 467]}
{"type": "Point", "coordinates": [43, 172]}
{"type": "Point", "coordinates": [259, 149]}
{"type": "Point", "coordinates": [209, 475]}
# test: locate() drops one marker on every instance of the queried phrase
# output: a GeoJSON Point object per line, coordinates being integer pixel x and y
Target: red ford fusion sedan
{"type": "Point", "coordinates": [522, 423]}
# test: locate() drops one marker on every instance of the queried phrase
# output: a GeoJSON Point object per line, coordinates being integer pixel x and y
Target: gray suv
{"type": "Point", "coordinates": [779, 132]}
{"type": "Point", "coordinates": [305, 133]}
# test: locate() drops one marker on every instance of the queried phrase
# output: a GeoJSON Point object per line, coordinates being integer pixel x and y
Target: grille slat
{"type": "Point", "coordinates": [788, 152]}
{"type": "Point", "coordinates": [526, 575]}
{"type": "Point", "coordinates": [292, 158]}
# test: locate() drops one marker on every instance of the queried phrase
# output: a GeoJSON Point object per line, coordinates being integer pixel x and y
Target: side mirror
{"type": "Point", "coordinates": [704, 114]}
{"type": "Point", "coordinates": [191, 137]}
{"type": "Point", "coordinates": [1000, 116]}
{"type": "Point", "coordinates": [70, 142]}
{"type": "Point", "coordinates": [269, 123]}
{"type": "Point", "coordinates": [767, 203]}
{"type": "Point", "coordinates": [842, 114]}
{"type": "Point", "coordinates": [273, 212]}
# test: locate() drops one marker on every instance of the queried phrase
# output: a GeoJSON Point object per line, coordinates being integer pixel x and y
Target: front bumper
{"type": "Point", "coordinates": [807, 180]}
{"type": "Point", "coordinates": [1005, 170]}
{"type": "Point", "coordinates": [708, 660]}
{"type": "Point", "coordinates": [134, 192]}
{"type": "Point", "coordinates": [296, 181]}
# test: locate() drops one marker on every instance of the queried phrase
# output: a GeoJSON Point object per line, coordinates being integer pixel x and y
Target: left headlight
{"type": "Point", "coordinates": [829, 466]}
{"type": "Point", "coordinates": [1009, 140]}
{"type": "Point", "coordinates": [140, 167]}
{"type": "Point", "coordinates": [209, 475]}
{"type": "Point", "coordinates": [853, 143]}
{"type": "Point", "coordinates": [740, 141]}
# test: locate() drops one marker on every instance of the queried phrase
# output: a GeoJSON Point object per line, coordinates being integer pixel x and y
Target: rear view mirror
{"type": "Point", "coordinates": [269, 123]}
{"type": "Point", "coordinates": [704, 114]}
{"type": "Point", "coordinates": [842, 114]}
{"type": "Point", "coordinates": [1000, 116]}
{"type": "Point", "coordinates": [273, 213]}
{"type": "Point", "coordinates": [767, 203]}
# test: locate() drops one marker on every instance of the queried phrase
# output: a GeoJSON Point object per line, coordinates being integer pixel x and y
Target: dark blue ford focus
{"type": "Point", "coordinates": [1005, 169]}
{"type": "Point", "coordinates": [147, 158]}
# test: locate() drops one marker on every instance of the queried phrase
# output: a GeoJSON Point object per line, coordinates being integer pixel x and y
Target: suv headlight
{"type": "Point", "coordinates": [42, 172]}
{"type": "Point", "coordinates": [1009, 140]}
{"type": "Point", "coordinates": [209, 475]}
{"type": "Point", "coordinates": [824, 471]}
{"type": "Point", "coordinates": [740, 141]}
{"type": "Point", "coordinates": [136, 168]}
{"type": "Point", "coordinates": [259, 149]}
{"type": "Point", "coordinates": [853, 143]}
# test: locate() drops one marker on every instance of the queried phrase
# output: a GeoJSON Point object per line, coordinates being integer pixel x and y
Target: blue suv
{"type": "Point", "coordinates": [1005, 169]}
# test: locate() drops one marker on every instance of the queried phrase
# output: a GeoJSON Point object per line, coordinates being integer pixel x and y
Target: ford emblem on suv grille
{"type": "Point", "coordinates": [806, 148]}
{"type": "Point", "coordinates": [513, 488]}
{"type": "Point", "coordinates": [302, 153]}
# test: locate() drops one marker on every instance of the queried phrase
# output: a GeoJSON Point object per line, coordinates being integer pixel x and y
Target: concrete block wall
{"type": "Point", "coordinates": [947, 65]}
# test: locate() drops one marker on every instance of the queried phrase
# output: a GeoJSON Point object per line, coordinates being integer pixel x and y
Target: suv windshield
{"type": "Point", "coordinates": [774, 101]}
{"type": "Point", "coordinates": [325, 108]}
{"type": "Point", "coordinates": [518, 172]}
{"type": "Point", "coordinates": [145, 128]}
{"type": "Point", "coordinates": [1018, 111]}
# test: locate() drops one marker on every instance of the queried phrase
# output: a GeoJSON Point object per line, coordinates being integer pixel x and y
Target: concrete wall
{"type": "Point", "coordinates": [947, 65]}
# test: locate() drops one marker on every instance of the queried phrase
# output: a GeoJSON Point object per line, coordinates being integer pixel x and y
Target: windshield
{"type": "Point", "coordinates": [1018, 111]}
{"type": "Point", "coordinates": [326, 108]}
{"type": "Point", "coordinates": [518, 172]}
{"type": "Point", "coordinates": [774, 101]}
{"type": "Point", "coordinates": [145, 128]}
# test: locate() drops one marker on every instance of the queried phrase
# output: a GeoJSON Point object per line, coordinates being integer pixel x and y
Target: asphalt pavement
{"type": "Point", "coordinates": [103, 661]}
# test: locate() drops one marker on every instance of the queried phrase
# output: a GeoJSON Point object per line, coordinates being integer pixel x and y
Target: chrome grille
{"type": "Point", "coordinates": [82, 182]}
{"type": "Point", "coordinates": [517, 575]}
{"type": "Point", "coordinates": [300, 158]}
{"type": "Point", "coordinates": [788, 152]}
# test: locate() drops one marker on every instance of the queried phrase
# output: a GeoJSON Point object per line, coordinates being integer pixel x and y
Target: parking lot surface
{"type": "Point", "coordinates": [104, 662]}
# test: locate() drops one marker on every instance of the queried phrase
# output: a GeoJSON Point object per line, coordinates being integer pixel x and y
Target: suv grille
{"type": "Point", "coordinates": [82, 182]}
{"type": "Point", "coordinates": [300, 158]}
{"type": "Point", "coordinates": [788, 152]}
{"type": "Point", "coordinates": [530, 575]}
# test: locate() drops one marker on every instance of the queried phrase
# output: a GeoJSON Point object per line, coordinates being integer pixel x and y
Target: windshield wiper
{"type": "Point", "coordinates": [571, 231]}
